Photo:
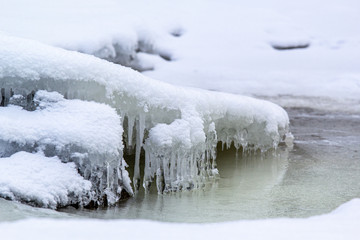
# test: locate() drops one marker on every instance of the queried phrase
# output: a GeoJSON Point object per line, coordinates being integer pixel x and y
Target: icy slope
{"type": "Point", "coordinates": [178, 127]}
{"type": "Point", "coordinates": [86, 133]}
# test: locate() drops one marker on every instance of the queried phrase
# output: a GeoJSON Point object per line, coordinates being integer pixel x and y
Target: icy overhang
{"type": "Point", "coordinates": [177, 127]}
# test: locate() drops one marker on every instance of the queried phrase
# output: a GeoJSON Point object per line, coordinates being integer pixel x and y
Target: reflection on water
{"type": "Point", "coordinates": [318, 174]}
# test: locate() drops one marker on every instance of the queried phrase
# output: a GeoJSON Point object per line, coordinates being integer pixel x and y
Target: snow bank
{"type": "Point", "coordinates": [42, 181]}
{"type": "Point", "coordinates": [178, 127]}
{"type": "Point", "coordinates": [86, 133]}
{"type": "Point", "coordinates": [340, 224]}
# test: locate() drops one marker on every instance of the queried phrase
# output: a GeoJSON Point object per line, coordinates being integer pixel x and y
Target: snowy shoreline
{"type": "Point", "coordinates": [342, 223]}
{"type": "Point", "coordinates": [223, 46]}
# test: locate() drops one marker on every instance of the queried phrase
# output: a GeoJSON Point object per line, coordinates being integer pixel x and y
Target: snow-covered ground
{"type": "Point", "coordinates": [231, 46]}
{"type": "Point", "coordinates": [221, 46]}
{"type": "Point", "coordinates": [343, 223]}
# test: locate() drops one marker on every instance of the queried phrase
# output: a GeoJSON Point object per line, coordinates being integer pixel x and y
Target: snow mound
{"type": "Point", "coordinates": [287, 37]}
{"type": "Point", "coordinates": [42, 181]}
{"type": "Point", "coordinates": [177, 127]}
{"type": "Point", "coordinates": [86, 133]}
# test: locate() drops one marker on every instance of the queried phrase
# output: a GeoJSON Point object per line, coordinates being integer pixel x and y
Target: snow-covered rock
{"type": "Point", "coordinates": [178, 127]}
{"type": "Point", "coordinates": [86, 133]}
{"type": "Point", "coordinates": [42, 181]}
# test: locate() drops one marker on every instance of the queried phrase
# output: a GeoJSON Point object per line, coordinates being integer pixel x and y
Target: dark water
{"type": "Point", "coordinates": [319, 173]}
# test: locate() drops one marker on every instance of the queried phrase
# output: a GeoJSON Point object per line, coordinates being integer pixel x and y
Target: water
{"type": "Point", "coordinates": [320, 172]}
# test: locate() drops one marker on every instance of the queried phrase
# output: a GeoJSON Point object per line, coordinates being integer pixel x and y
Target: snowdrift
{"type": "Point", "coordinates": [178, 128]}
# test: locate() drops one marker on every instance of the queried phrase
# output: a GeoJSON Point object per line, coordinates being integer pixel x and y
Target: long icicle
{"type": "Point", "coordinates": [140, 127]}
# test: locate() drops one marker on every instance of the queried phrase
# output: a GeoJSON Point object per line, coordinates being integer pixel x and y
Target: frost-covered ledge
{"type": "Point", "coordinates": [177, 127]}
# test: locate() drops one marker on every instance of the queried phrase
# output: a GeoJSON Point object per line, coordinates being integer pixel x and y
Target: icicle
{"type": "Point", "coordinates": [166, 165]}
{"type": "Point", "coordinates": [107, 175]}
{"type": "Point", "coordinates": [160, 182]}
{"type": "Point", "coordinates": [147, 172]}
{"type": "Point", "coordinates": [122, 117]}
{"type": "Point", "coordinates": [140, 127]}
{"type": "Point", "coordinates": [131, 122]}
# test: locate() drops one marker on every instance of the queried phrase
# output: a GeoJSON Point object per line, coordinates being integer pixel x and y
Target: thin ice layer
{"type": "Point", "coordinates": [195, 119]}
{"type": "Point", "coordinates": [86, 133]}
{"type": "Point", "coordinates": [42, 181]}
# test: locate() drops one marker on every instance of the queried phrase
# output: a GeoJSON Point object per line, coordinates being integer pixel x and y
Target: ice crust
{"type": "Point", "coordinates": [177, 127]}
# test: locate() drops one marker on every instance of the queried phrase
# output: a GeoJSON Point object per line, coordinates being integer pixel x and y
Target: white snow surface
{"type": "Point", "coordinates": [342, 223]}
{"type": "Point", "coordinates": [42, 181]}
{"type": "Point", "coordinates": [224, 45]}
{"type": "Point", "coordinates": [26, 62]}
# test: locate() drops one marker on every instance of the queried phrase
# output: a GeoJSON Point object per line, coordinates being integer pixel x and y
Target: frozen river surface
{"type": "Point", "coordinates": [319, 173]}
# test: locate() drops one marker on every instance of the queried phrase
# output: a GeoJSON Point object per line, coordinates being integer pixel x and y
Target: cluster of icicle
{"type": "Point", "coordinates": [176, 157]}
{"type": "Point", "coordinates": [173, 163]}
